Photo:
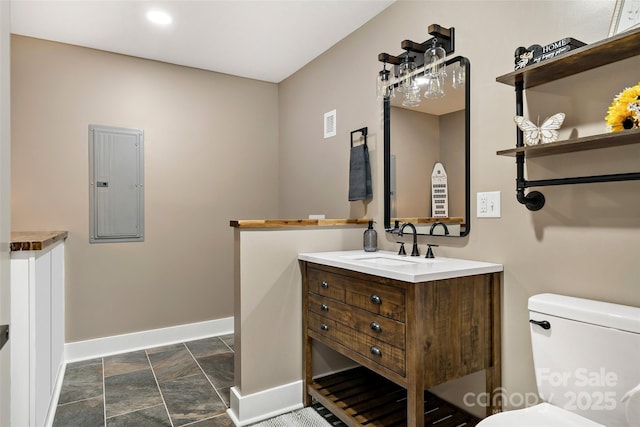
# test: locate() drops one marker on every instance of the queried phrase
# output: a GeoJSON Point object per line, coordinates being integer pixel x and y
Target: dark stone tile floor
{"type": "Point", "coordinates": [183, 384]}
{"type": "Point", "coordinates": [186, 384]}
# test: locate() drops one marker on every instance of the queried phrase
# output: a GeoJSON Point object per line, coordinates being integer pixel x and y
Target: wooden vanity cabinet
{"type": "Point", "coordinates": [408, 336]}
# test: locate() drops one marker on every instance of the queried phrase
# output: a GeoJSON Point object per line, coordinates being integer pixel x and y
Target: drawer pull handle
{"type": "Point", "coordinates": [324, 327]}
{"type": "Point", "coordinates": [376, 351]}
{"type": "Point", "coordinates": [376, 326]}
{"type": "Point", "coordinates": [376, 299]}
{"type": "Point", "coordinates": [324, 307]}
{"type": "Point", "coordinates": [324, 284]}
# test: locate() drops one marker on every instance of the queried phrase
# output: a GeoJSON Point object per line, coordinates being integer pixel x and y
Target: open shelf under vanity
{"type": "Point", "coordinates": [361, 397]}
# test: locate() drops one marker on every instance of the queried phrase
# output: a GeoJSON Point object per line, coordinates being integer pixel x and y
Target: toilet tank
{"type": "Point", "coordinates": [586, 356]}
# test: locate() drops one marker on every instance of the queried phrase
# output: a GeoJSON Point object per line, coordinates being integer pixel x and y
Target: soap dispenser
{"type": "Point", "coordinates": [370, 241]}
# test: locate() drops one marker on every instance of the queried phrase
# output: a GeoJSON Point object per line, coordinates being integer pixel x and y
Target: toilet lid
{"type": "Point", "coordinates": [542, 415]}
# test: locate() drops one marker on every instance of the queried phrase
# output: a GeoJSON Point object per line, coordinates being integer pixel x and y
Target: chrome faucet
{"type": "Point", "coordinates": [437, 223]}
{"type": "Point", "coordinates": [414, 251]}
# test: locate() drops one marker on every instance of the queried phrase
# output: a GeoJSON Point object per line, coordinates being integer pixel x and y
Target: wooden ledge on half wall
{"type": "Point", "coordinates": [35, 240]}
{"type": "Point", "coordinates": [430, 220]}
{"type": "Point", "coordinates": [283, 223]}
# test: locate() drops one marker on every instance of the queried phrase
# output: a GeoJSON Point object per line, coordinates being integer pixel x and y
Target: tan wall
{"type": "Point", "coordinates": [268, 303]}
{"type": "Point", "coordinates": [417, 148]}
{"type": "Point", "coordinates": [584, 242]}
{"type": "Point", "coordinates": [210, 156]}
{"type": "Point", "coordinates": [419, 140]}
{"type": "Point", "coordinates": [452, 157]}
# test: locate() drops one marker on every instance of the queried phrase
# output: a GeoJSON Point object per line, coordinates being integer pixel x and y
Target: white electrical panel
{"type": "Point", "coordinates": [116, 194]}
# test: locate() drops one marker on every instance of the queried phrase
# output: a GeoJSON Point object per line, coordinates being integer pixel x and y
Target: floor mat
{"type": "Point", "coordinates": [306, 417]}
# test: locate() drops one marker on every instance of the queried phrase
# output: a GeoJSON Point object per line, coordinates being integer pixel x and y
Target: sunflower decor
{"type": "Point", "coordinates": [624, 112]}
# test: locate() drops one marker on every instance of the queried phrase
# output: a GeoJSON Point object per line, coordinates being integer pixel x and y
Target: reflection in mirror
{"type": "Point", "coordinates": [434, 132]}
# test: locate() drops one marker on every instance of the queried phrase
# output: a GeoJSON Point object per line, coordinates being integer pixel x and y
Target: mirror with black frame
{"type": "Point", "coordinates": [427, 146]}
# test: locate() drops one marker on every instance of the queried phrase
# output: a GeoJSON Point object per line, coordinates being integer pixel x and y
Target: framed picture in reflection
{"type": "Point", "coordinates": [626, 16]}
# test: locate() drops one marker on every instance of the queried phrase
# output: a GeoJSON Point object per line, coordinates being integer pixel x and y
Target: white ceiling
{"type": "Point", "coordinates": [260, 39]}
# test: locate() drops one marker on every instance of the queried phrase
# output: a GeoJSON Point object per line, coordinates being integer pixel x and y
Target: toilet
{"type": "Point", "coordinates": [587, 359]}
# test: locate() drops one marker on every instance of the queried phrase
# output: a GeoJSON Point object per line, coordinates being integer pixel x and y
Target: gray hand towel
{"type": "Point", "coordinates": [359, 174]}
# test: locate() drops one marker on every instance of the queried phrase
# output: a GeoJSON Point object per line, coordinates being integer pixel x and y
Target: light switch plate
{"type": "Point", "coordinates": [488, 204]}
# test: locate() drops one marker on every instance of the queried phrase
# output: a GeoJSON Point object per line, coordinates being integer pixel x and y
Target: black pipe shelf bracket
{"type": "Point", "coordinates": [613, 49]}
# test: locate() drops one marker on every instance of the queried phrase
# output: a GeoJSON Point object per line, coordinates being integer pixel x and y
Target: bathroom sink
{"type": "Point", "coordinates": [385, 261]}
{"type": "Point", "coordinates": [400, 267]}
{"type": "Point", "coordinates": [392, 260]}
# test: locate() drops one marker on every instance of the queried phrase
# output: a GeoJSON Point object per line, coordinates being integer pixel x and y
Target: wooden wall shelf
{"type": "Point", "coordinates": [608, 51]}
{"type": "Point", "coordinates": [622, 46]}
{"type": "Point", "coordinates": [593, 142]}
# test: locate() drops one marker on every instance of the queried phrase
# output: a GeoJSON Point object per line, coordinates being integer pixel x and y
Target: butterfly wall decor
{"type": "Point", "coordinates": [546, 133]}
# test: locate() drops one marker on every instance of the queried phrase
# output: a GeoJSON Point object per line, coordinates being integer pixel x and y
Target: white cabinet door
{"type": "Point", "coordinates": [57, 312]}
{"type": "Point", "coordinates": [41, 336]}
{"type": "Point", "coordinates": [21, 270]}
{"type": "Point", "coordinates": [37, 332]}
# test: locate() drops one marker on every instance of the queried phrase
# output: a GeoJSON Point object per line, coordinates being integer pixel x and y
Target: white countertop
{"type": "Point", "coordinates": [406, 268]}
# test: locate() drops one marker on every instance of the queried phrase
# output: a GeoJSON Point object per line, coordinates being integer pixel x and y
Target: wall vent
{"type": "Point", "coordinates": [330, 124]}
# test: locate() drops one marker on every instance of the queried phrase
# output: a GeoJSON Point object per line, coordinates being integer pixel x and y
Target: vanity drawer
{"type": "Point", "coordinates": [377, 298]}
{"type": "Point", "coordinates": [379, 327]}
{"type": "Point", "coordinates": [377, 351]}
{"type": "Point", "coordinates": [327, 284]}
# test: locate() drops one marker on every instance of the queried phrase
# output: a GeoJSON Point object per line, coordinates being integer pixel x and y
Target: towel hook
{"type": "Point", "coordinates": [363, 131]}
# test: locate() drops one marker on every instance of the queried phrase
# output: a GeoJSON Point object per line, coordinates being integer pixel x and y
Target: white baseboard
{"type": "Point", "coordinates": [55, 395]}
{"type": "Point", "coordinates": [100, 347]}
{"type": "Point", "coordinates": [264, 404]}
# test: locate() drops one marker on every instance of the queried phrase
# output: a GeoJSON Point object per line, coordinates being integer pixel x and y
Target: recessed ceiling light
{"type": "Point", "coordinates": [159, 17]}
